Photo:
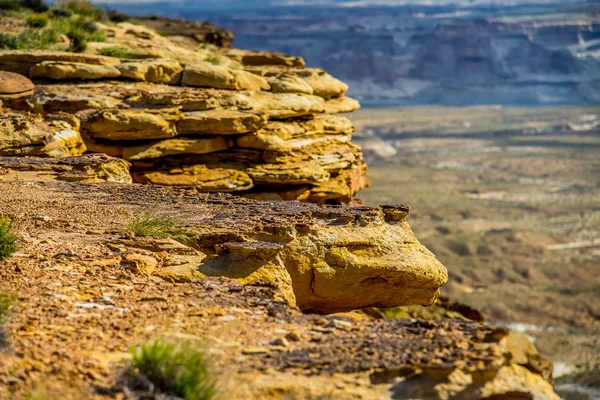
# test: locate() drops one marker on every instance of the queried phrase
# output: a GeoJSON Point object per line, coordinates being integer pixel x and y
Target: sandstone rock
{"type": "Point", "coordinates": [219, 122]}
{"type": "Point", "coordinates": [341, 105]}
{"type": "Point", "coordinates": [14, 86]}
{"type": "Point", "coordinates": [156, 71]}
{"type": "Point", "coordinates": [130, 124]}
{"type": "Point", "coordinates": [208, 75]}
{"type": "Point", "coordinates": [175, 146]}
{"type": "Point", "coordinates": [64, 143]}
{"type": "Point", "coordinates": [200, 177]}
{"type": "Point", "coordinates": [30, 135]}
{"type": "Point", "coordinates": [292, 174]}
{"type": "Point", "coordinates": [523, 352]}
{"type": "Point", "coordinates": [21, 61]}
{"type": "Point", "coordinates": [325, 85]}
{"type": "Point", "coordinates": [253, 57]}
{"type": "Point", "coordinates": [289, 84]}
{"type": "Point", "coordinates": [289, 135]}
{"type": "Point", "coordinates": [58, 70]}
{"type": "Point", "coordinates": [140, 263]}
{"type": "Point", "coordinates": [86, 168]}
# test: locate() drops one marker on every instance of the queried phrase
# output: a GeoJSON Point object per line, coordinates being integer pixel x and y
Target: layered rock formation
{"type": "Point", "coordinates": [220, 121]}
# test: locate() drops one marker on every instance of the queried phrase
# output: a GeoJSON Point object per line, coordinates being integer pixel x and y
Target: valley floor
{"type": "Point", "coordinates": [510, 204]}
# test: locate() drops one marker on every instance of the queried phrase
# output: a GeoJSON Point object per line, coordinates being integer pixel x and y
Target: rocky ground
{"type": "Point", "coordinates": [88, 290]}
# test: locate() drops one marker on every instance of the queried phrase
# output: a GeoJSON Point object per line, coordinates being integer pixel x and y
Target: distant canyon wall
{"type": "Point", "coordinates": [453, 60]}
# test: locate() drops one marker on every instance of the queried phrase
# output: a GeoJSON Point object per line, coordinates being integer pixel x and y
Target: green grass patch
{"type": "Point", "coordinates": [178, 368]}
{"type": "Point", "coordinates": [37, 21]}
{"type": "Point", "coordinates": [215, 60]}
{"type": "Point", "coordinates": [6, 300]}
{"type": "Point", "coordinates": [80, 30]}
{"type": "Point", "coordinates": [119, 52]}
{"type": "Point", "coordinates": [149, 223]}
{"type": "Point", "coordinates": [8, 239]}
{"type": "Point", "coordinates": [83, 8]}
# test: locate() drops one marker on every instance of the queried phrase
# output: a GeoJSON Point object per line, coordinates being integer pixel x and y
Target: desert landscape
{"type": "Point", "coordinates": [185, 219]}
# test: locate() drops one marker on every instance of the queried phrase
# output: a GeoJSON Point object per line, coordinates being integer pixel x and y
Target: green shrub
{"type": "Point", "coordinates": [29, 39]}
{"type": "Point", "coordinates": [79, 41]}
{"type": "Point", "coordinates": [60, 13]}
{"type": "Point", "coordinates": [116, 16]}
{"type": "Point", "coordinates": [213, 60]}
{"type": "Point", "coordinates": [8, 239]}
{"type": "Point", "coordinates": [10, 5]}
{"type": "Point", "coordinates": [8, 41]}
{"type": "Point", "coordinates": [119, 52]}
{"type": "Point", "coordinates": [149, 223]}
{"type": "Point", "coordinates": [35, 5]}
{"type": "Point", "coordinates": [37, 21]}
{"type": "Point", "coordinates": [84, 8]}
{"type": "Point", "coordinates": [177, 368]}
{"type": "Point", "coordinates": [6, 301]}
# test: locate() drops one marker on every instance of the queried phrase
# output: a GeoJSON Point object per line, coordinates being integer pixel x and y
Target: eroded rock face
{"type": "Point", "coordinates": [27, 134]}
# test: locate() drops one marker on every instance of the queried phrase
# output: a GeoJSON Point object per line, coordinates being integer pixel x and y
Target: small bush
{"type": "Point", "coordinates": [177, 368]}
{"type": "Point", "coordinates": [84, 8]}
{"type": "Point", "coordinates": [60, 13]}
{"type": "Point", "coordinates": [37, 21]}
{"type": "Point", "coordinates": [78, 41]}
{"type": "Point", "coordinates": [35, 5]}
{"type": "Point", "coordinates": [119, 52]}
{"type": "Point", "coordinates": [6, 301]}
{"type": "Point", "coordinates": [215, 60]}
{"type": "Point", "coordinates": [10, 5]}
{"type": "Point", "coordinates": [8, 41]}
{"type": "Point", "coordinates": [149, 223]}
{"type": "Point", "coordinates": [116, 16]}
{"type": "Point", "coordinates": [8, 239]}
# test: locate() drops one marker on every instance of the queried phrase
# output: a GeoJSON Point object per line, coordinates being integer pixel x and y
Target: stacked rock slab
{"type": "Point", "coordinates": [253, 123]}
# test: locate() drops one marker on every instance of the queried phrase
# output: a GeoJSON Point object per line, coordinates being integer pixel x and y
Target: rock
{"type": "Point", "coordinates": [22, 134]}
{"type": "Point", "coordinates": [156, 71]}
{"type": "Point", "coordinates": [325, 85]}
{"type": "Point", "coordinates": [523, 352]}
{"type": "Point", "coordinates": [87, 168]}
{"type": "Point", "coordinates": [130, 124]}
{"type": "Point", "coordinates": [293, 336]}
{"type": "Point", "coordinates": [199, 177]}
{"type": "Point", "coordinates": [288, 174]}
{"type": "Point", "coordinates": [64, 143]}
{"type": "Point", "coordinates": [58, 70]}
{"type": "Point", "coordinates": [21, 61]}
{"type": "Point", "coordinates": [208, 75]}
{"type": "Point", "coordinates": [175, 146]}
{"type": "Point", "coordinates": [341, 105]}
{"type": "Point", "coordinates": [289, 84]}
{"type": "Point", "coordinates": [219, 122]}
{"type": "Point", "coordinates": [253, 57]}
{"type": "Point", "coordinates": [282, 342]}
{"type": "Point", "coordinates": [140, 263]}
{"type": "Point", "coordinates": [14, 86]}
